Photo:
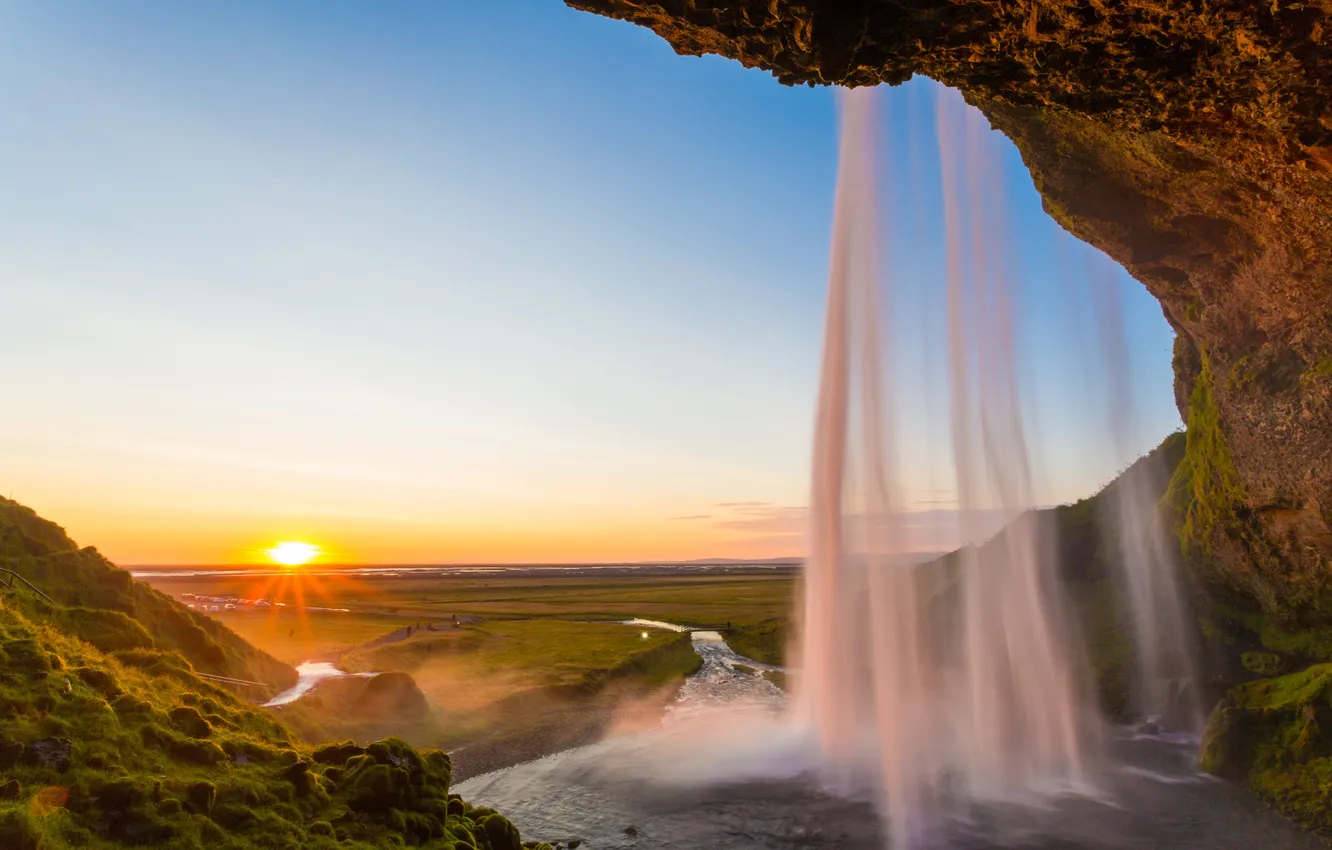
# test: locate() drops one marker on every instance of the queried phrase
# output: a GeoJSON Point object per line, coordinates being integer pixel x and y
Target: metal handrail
{"type": "Point", "coordinates": [34, 588]}
{"type": "Point", "coordinates": [211, 677]}
{"type": "Point", "coordinates": [229, 680]}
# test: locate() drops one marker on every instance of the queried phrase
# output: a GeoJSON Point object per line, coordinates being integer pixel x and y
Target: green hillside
{"type": "Point", "coordinates": [109, 738]}
{"type": "Point", "coordinates": [103, 605]}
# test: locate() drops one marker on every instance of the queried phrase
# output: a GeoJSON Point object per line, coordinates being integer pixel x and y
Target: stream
{"type": "Point", "coordinates": [726, 769]}
{"type": "Point", "coordinates": [308, 675]}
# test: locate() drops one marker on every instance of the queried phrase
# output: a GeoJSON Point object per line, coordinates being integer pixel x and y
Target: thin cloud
{"type": "Point", "coordinates": [768, 518]}
{"type": "Point", "coordinates": [692, 516]}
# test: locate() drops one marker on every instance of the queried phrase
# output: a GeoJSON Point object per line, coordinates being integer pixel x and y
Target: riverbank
{"type": "Point", "coordinates": [720, 676]}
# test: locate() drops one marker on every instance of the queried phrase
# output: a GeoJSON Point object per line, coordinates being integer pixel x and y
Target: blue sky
{"type": "Point", "coordinates": [445, 281]}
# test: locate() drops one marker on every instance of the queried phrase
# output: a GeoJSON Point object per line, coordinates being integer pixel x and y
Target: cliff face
{"type": "Point", "coordinates": [1192, 142]}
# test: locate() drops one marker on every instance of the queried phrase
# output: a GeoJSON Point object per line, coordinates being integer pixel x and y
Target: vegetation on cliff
{"type": "Point", "coordinates": [1205, 491]}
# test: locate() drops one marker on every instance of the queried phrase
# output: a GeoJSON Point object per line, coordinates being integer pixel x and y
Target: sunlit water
{"type": "Point", "coordinates": [309, 675]}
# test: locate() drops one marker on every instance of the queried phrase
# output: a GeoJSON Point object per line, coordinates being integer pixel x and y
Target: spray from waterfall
{"type": "Point", "coordinates": [1166, 687]}
{"type": "Point", "coordinates": [942, 683]}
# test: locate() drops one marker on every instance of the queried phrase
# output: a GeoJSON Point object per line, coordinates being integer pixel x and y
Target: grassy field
{"type": "Point", "coordinates": [530, 653]}
{"type": "Point", "coordinates": [693, 599]}
{"type": "Point", "coordinates": [766, 641]}
{"type": "Point", "coordinates": [379, 605]}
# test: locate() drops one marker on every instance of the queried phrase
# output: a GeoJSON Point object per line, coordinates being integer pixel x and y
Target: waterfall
{"type": "Point", "coordinates": [1166, 687]}
{"type": "Point", "coordinates": [958, 680]}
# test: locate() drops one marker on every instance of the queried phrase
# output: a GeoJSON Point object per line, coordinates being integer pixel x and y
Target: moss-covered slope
{"type": "Point", "coordinates": [107, 740]}
{"type": "Point", "coordinates": [131, 748]}
{"type": "Point", "coordinates": [103, 604]}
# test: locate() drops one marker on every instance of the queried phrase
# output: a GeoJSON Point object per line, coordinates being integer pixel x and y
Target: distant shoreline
{"type": "Point", "coordinates": [497, 571]}
{"type": "Point", "coordinates": [698, 562]}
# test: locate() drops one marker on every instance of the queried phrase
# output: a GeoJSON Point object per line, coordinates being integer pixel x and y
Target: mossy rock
{"type": "Point", "coordinates": [26, 656]}
{"type": "Point", "coordinates": [1275, 735]}
{"type": "Point", "coordinates": [1261, 663]}
{"type": "Point", "coordinates": [138, 742]}
{"type": "Point", "coordinates": [202, 796]}
{"type": "Point", "coordinates": [99, 680]}
{"type": "Point", "coordinates": [320, 829]}
{"type": "Point", "coordinates": [127, 705]}
{"type": "Point", "coordinates": [187, 719]}
{"type": "Point", "coordinates": [155, 661]}
{"type": "Point", "coordinates": [502, 834]}
{"type": "Point", "coordinates": [337, 754]}
{"type": "Point", "coordinates": [235, 816]}
{"type": "Point", "coordinates": [376, 788]}
{"type": "Point", "coordinates": [196, 752]}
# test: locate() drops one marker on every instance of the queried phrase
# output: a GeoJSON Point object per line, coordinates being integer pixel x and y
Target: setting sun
{"type": "Point", "coordinates": [291, 553]}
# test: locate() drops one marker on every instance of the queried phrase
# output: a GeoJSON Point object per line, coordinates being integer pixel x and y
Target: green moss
{"type": "Point", "coordinates": [196, 752]}
{"type": "Point", "coordinates": [1320, 369]}
{"type": "Point", "coordinates": [1205, 491]}
{"type": "Point", "coordinates": [109, 631]}
{"type": "Point", "coordinates": [1193, 309]}
{"type": "Point", "coordinates": [765, 642]}
{"type": "Point", "coordinates": [1261, 663]}
{"type": "Point", "coordinates": [131, 778]}
{"type": "Point", "coordinates": [188, 720]}
{"type": "Point", "coordinates": [19, 829]}
{"type": "Point", "coordinates": [1275, 735]}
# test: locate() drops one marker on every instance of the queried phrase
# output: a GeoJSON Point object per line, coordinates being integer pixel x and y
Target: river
{"type": "Point", "coordinates": [725, 769]}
